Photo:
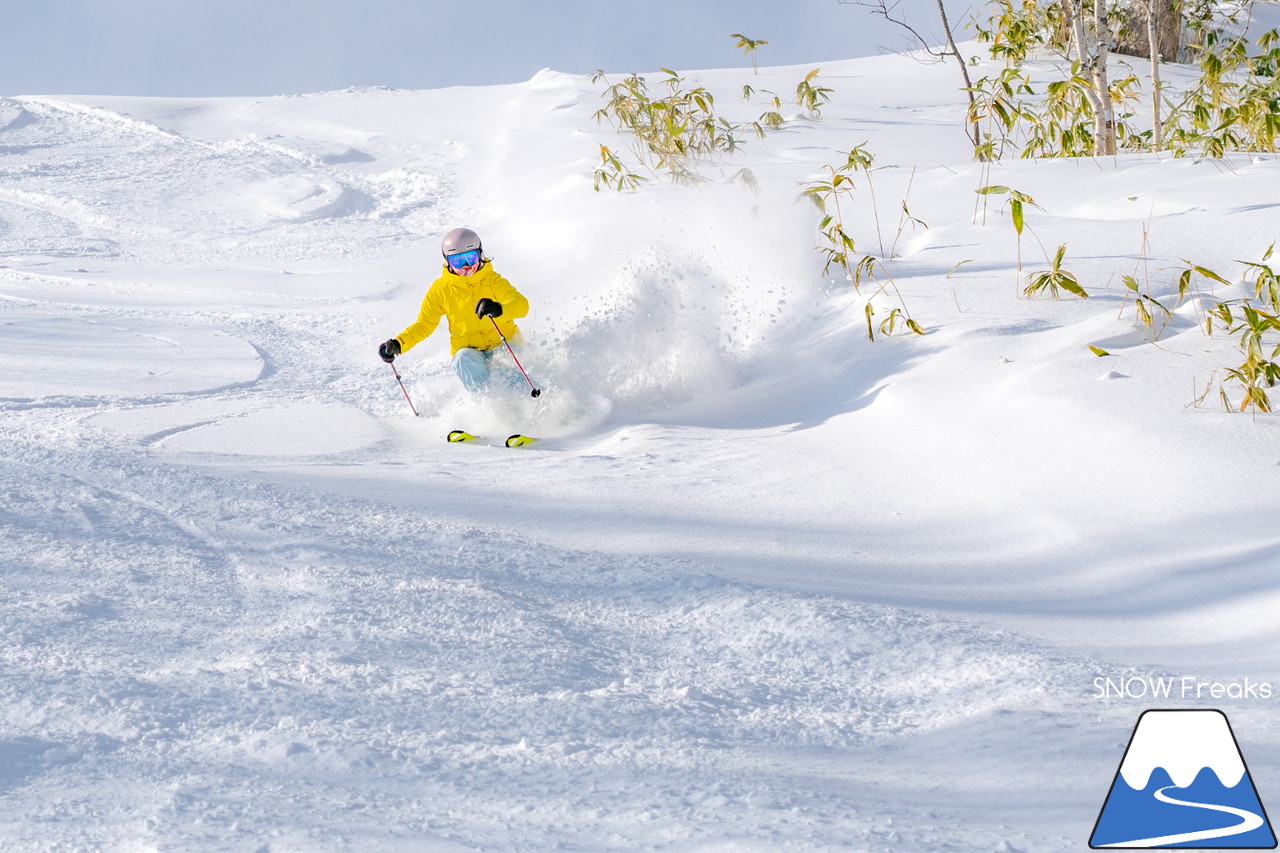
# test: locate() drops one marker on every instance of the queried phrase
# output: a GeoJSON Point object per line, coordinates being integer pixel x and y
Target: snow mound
{"type": "Point", "coordinates": [233, 198]}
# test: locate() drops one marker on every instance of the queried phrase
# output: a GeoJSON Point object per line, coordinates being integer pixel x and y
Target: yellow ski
{"type": "Point", "coordinates": [459, 436]}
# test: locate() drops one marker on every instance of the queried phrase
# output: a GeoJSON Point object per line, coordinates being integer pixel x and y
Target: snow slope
{"type": "Point", "coordinates": [764, 585]}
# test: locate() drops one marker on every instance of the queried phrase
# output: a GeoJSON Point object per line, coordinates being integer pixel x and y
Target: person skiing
{"type": "Point", "coordinates": [479, 304]}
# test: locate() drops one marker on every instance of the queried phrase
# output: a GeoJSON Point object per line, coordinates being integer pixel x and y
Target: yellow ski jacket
{"type": "Point", "coordinates": [454, 297]}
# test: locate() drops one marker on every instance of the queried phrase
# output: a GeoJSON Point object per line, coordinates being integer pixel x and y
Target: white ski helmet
{"type": "Point", "coordinates": [460, 240]}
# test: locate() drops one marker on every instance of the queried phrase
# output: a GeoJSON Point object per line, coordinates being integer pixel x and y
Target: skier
{"type": "Point", "coordinates": [479, 304]}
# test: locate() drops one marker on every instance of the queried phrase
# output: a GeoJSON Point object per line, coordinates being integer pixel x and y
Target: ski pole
{"type": "Point", "coordinates": [536, 392]}
{"type": "Point", "coordinates": [402, 388]}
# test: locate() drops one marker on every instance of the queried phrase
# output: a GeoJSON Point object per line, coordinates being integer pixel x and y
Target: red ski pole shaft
{"type": "Point", "coordinates": [536, 391]}
{"type": "Point", "coordinates": [403, 389]}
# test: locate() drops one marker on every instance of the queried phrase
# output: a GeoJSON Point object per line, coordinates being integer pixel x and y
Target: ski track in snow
{"type": "Point", "coordinates": [343, 654]}
{"type": "Point", "coordinates": [249, 606]}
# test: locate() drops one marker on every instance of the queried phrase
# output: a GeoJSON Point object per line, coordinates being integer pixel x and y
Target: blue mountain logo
{"type": "Point", "coordinates": [1183, 783]}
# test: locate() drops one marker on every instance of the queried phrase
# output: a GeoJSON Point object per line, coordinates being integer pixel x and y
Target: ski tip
{"type": "Point", "coordinates": [458, 436]}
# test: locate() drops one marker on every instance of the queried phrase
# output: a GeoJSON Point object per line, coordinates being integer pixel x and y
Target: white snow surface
{"type": "Point", "coordinates": [763, 585]}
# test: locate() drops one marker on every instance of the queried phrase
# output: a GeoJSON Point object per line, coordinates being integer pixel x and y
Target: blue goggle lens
{"type": "Point", "coordinates": [464, 259]}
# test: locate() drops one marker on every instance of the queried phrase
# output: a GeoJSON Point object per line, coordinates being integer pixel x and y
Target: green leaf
{"type": "Point", "coordinates": [1069, 283]}
{"type": "Point", "coordinates": [890, 323]}
{"type": "Point", "coordinates": [1098, 351]}
{"type": "Point", "coordinates": [1255, 396]}
{"type": "Point", "coordinates": [1143, 314]}
{"type": "Point", "coordinates": [1184, 281]}
{"type": "Point", "coordinates": [1154, 302]}
{"type": "Point", "coordinates": [1207, 273]}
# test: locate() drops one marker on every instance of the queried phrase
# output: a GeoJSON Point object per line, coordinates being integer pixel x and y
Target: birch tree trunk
{"type": "Point", "coordinates": [1153, 39]}
{"type": "Point", "coordinates": [1091, 53]}
{"type": "Point", "coordinates": [1104, 118]}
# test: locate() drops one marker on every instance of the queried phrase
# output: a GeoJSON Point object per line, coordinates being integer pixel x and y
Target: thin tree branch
{"type": "Point", "coordinates": [888, 9]}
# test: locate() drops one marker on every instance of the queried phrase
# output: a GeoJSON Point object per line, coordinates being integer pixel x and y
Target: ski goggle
{"type": "Point", "coordinates": [462, 260]}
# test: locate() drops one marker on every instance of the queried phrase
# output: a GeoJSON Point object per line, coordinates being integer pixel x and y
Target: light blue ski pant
{"type": "Point", "coordinates": [475, 368]}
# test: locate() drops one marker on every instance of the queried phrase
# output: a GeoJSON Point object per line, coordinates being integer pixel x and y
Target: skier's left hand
{"type": "Point", "coordinates": [488, 308]}
{"type": "Point", "coordinates": [389, 350]}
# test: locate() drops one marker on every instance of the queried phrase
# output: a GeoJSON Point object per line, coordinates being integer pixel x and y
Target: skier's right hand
{"type": "Point", "coordinates": [389, 350]}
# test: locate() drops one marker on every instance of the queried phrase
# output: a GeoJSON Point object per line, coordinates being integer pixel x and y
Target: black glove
{"type": "Point", "coordinates": [389, 350]}
{"type": "Point", "coordinates": [488, 308]}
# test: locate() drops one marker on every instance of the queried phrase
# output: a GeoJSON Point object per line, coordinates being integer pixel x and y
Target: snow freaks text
{"type": "Point", "coordinates": [1179, 687]}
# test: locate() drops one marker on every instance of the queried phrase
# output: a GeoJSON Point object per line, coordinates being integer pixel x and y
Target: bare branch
{"type": "Point", "coordinates": [888, 9]}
